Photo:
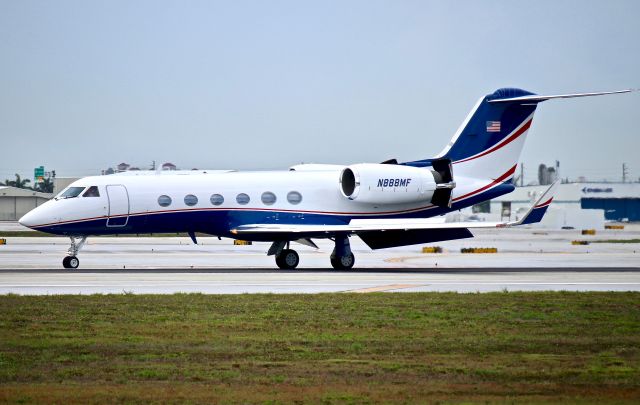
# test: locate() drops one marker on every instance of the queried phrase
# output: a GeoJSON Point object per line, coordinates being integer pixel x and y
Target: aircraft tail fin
{"type": "Point", "coordinates": [489, 142]}
{"type": "Point", "coordinates": [491, 138]}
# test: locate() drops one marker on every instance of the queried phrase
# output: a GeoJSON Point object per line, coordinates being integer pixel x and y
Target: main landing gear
{"type": "Point", "coordinates": [343, 262]}
{"type": "Point", "coordinates": [71, 261]}
{"type": "Point", "coordinates": [342, 258]}
{"type": "Point", "coordinates": [287, 259]}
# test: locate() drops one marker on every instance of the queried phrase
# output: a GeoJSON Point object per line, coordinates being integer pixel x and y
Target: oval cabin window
{"type": "Point", "coordinates": [268, 198]}
{"type": "Point", "coordinates": [242, 199]}
{"type": "Point", "coordinates": [164, 201]}
{"type": "Point", "coordinates": [217, 199]}
{"type": "Point", "coordinates": [294, 197]}
{"type": "Point", "coordinates": [190, 200]}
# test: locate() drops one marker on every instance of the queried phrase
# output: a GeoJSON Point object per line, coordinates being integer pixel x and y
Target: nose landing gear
{"type": "Point", "coordinates": [71, 261]}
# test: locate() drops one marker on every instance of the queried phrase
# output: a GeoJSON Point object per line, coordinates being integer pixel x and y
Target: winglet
{"type": "Point", "coordinates": [537, 211]}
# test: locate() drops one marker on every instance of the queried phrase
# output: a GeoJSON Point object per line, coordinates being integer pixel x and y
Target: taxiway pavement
{"type": "Point", "coordinates": [526, 260]}
{"type": "Point", "coordinates": [236, 281]}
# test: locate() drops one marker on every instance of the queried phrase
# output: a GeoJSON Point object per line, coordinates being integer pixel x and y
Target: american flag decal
{"type": "Point", "coordinates": [493, 126]}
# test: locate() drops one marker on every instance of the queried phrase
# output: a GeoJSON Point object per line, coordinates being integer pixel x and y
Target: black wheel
{"type": "Point", "coordinates": [70, 262]}
{"type": "Point", "coordinates": [343, 262]}
{"type": "Point", "coordinates": [288, 259]}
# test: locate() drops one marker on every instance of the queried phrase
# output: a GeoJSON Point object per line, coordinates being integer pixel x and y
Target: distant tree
{"type": "Point", "coordinates": [46, 186]}
{"type": "Point", "coordinates": [18, 182]}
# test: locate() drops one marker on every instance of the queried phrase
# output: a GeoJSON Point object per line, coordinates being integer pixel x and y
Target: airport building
{"type": "Point", "coordinates": [576, 205]}
{"type": "Point", "coordinates": [15, 202]}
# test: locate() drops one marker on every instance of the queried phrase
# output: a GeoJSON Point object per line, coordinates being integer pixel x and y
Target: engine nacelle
{"type": "Point", "coordinates": [387, 183]}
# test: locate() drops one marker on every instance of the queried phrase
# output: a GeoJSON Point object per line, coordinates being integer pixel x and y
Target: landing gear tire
{"type": "Point", "coordinates": [288, 259]}
{"type": "Point", "coordinates": [70, 262]}
{"type": "Point", "coordinates": [345, 262]}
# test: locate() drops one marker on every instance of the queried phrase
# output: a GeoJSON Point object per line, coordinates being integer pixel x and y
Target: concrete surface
{"type": "Point", "coordinates": [527, 260]}
{"type": "Point", "coordinates": [226, 281]}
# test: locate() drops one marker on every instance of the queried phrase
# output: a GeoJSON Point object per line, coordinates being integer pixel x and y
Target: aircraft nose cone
{"type": "Point", "coordinates": [26, 220]}
{"type": "Point", "coordinates": [30, 219]}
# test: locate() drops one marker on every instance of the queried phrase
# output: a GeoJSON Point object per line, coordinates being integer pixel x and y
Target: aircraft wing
{"type": "Point", "coordinates": [535, 214]}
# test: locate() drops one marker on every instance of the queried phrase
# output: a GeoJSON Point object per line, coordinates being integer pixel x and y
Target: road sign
{"type": "Point", "coordinates": [38, 174]}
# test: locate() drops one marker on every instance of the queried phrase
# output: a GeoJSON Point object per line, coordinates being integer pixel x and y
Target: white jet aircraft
{"type": "Point", "coordinates": [385, 204]}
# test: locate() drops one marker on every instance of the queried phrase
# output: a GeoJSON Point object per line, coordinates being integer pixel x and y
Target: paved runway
{"type": "Point", "coordinates": [528, 260]}
{"type": "Point", "coordinates": [234, 281]}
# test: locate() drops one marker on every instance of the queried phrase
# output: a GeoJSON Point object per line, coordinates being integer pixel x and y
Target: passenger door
{"type": "Point", "coordinates": [118, 205]}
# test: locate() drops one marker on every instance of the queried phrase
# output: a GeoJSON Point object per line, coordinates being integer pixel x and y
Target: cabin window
{"type": "Point", "coordinates": [268, 198]}
{"type": "Point", "coordinates": [294, 197]}
{"type": "Point", "coordinates": [72, 192]}
{"type": "Point", "coordinates": [164, 201]}
{"type": "Point", "coordinates": [92, 192]}
{"type": "Point", "coordinates": [242, 199]}
{"type": "Point", "coordinates": [190, 200]}
{"type": "Point", "coordinates": [217, 199]}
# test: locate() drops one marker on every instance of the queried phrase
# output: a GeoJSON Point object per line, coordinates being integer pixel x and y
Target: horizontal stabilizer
{"type": "Point", "coordinates": [537, 98]}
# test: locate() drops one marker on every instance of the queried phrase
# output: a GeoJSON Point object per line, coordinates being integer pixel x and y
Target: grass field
{"type": "Point", "coordinates": [326, 348]}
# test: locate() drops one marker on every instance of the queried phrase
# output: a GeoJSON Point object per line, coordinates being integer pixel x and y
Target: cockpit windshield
{"type": "Point", "coordinates": [72, 192]}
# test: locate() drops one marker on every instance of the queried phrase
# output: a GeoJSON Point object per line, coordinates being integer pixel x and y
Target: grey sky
{"type": "Point", "coordinates": [266, 84]}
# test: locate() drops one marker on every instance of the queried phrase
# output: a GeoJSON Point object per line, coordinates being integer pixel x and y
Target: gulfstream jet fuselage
{"type": "Point", "coordinates": [386, 204]}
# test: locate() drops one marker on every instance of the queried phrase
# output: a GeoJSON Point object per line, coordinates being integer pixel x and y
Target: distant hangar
{"type": "Point", "coordinates": [15, 202]}
{"type": "Point", "coordinates": [578, 205]}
